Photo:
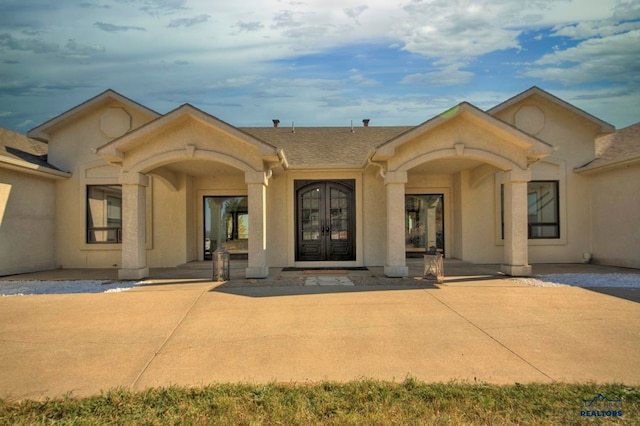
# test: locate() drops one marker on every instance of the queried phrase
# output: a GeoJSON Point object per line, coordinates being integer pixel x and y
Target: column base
{"type": "Point", "coordinates": [517, 270]}
{"type": "Point", "coordinates": [257, 272]}
{"type": "Point", "coordinates": [396, 271]}
{"type": "Point", "coordinates": [133, 274]}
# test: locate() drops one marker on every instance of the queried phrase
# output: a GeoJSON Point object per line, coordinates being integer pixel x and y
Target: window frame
{"type": "Point", "coordinates": [90, 228]}
{"type": "Point", "coordinates": [557, 224]}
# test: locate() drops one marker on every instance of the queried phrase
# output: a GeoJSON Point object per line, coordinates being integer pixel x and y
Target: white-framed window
{"type": "Point", "coordinates": [543, 209]}
{"type": "Point", "coordinates": [104, 214]}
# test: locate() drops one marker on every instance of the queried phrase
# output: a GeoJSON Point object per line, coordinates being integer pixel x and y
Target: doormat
{"type": "Point", "coordinates": [355, 268]}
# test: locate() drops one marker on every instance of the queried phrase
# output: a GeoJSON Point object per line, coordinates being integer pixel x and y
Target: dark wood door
{"type": "Point", "coordinates": [325, 220]}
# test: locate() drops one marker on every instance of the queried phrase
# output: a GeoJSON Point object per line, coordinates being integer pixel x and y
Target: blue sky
{"type": "Point", "coordinates": [317, 62]}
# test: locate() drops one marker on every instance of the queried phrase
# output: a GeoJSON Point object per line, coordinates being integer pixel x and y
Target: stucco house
{"type": "Point", "coordinates": [113, 184]}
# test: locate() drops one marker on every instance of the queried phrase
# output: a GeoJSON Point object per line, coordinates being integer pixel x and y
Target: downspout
{"type": "Point", "coordinates": [383, 172]}
{"type": "Point", "coordinates": [282, 162]}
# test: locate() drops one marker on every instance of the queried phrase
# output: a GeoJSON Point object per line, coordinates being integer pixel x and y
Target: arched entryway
{"type": "Point", "coordinates": [181, 147]}
{"type": "Point", "coordinates": [466, 145]}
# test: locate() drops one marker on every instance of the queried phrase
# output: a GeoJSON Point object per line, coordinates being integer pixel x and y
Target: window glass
{"type": "Point", "coordinates": [104, 214]}
{"type": "Point", "coordinates": [543, 209]}
{"type": "Point", "coordinates": [226, 224]}
{"type": "Point", "coordinates": [424, 223]}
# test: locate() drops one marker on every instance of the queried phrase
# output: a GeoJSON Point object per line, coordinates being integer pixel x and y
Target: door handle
{"type": "Point", "coordinates": [325, 227]}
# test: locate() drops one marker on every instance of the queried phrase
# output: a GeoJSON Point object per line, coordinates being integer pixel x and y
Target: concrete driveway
{"type": "Point", "coordinates": [193, 333]}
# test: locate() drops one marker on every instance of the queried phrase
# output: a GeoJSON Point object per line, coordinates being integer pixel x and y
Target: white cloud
{"type": "Point", "coordinates": [454, 32]}
{"type": "Point", "coordinates": [165, 52]}
{"type": "Point", "coordinates": [596, 59]}
{"type": "Point", "coordinates": [355, 12]}
{"type": "Point", "coordinates": [359, 79]}
{"type": "Point", "coordinates": [450, 75]}
{"type": "Point", "coordinates": [25, 124]}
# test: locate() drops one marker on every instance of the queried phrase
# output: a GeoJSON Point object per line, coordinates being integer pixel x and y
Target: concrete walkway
{"type": "Point", "coordinates": [190, 331]}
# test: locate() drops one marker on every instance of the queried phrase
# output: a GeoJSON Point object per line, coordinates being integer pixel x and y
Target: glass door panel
{"type": "Point", "coordinates": [226, 224]}
{"type": "Point", "coordinates": [325, 220]}
{"type": "Point", "coordinates": [424, 223]}
{"type": "Point", "coordinates": [339, 213]}
{"type": "Point", "coordinates": [311, 215]}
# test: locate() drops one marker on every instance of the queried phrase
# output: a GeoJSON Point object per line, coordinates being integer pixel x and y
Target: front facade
{"type": "Point", "coordinates": [125, 187]}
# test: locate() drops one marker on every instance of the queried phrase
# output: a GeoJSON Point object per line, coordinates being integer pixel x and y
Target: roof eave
{"type": "Point", "coordinates": [26, 167]}
{"type": "Point", "coordinates": [599, 168]}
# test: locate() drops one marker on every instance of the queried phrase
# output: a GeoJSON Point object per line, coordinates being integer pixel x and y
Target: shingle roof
{"type": "Point", "coordinates": [16, 146]}
{"type": "Point", "coordinates": [622, 146]}
{"type": "Point", "coordinates": [324, 147]}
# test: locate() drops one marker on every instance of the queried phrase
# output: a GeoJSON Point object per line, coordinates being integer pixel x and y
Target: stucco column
{"type": "Point", "coordinates": [134, 247]}
{"type": "Point", "coordinates": [396, 265]}
{"type": "Point", "coordinates": [257, 196]}
{"type": "Point", "coordinates": [516, 244]}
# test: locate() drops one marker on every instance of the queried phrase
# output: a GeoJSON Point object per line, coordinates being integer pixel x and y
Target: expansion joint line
{"type": "Point", "coordinates": [164, 343]}
{"type": "Point", "coordinates": [490, 336]}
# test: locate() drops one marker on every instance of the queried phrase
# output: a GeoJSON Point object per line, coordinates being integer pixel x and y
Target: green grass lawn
{"type": "Point", "coordinates": [356, 403]}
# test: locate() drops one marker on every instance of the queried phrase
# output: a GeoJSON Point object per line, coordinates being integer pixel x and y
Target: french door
{"type": "Point", "coordinates": [325, 220]}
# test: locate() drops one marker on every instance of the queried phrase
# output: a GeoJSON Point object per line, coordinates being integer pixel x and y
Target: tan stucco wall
{"type": "Point", "coordinates": [170, 144]}
{"type": "Point", "coordinates": [169, 223]}
{"type": "Point", "coordinates": [277, 220]}
{"type": "Point", "coordinates": [475, 136]}
{"type": "Point", "coordinates": [478, 225]}
{"type": "Point", "coordinates": [573, 138]}
{"type": "Point", "coordinates": [71, 148]}
{"type": "Point", "coordinates": [374, 220]}
{"type": "Point", "coordinates": [71, 145]}
{"type": "Point", "coordinates": [615, 208]}
{"type": "Point", "coordinates": [27, 226]}
{"type": "Point", "coordinates": [472, 205]}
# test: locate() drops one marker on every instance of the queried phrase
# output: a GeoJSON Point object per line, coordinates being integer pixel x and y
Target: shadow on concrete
{"type": "Point", "coordinates": [166, 282]}
{"type": "Point", "coordinates": [314, 290]}
{"type": "Point", "coordinates": [631, 294]}
{"type": "Point", "coordinates": [474, 279]}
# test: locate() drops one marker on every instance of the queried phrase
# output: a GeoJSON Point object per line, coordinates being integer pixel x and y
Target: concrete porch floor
{"type": "Point", "coordinates": [183, 329]}
{"type": "Point", "coordinates": [455, 270]}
